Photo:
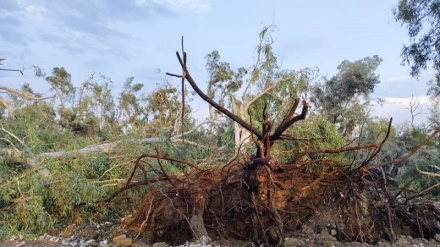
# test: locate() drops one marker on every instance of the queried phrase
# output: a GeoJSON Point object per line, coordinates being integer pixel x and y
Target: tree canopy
{"type": "Point", "coordinates": [344, 97]}
{"type": "Point", "coordinates": [422, 19]}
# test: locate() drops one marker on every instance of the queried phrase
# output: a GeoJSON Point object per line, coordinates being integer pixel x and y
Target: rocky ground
{"type": "Point", "coordinates": [108, 234]}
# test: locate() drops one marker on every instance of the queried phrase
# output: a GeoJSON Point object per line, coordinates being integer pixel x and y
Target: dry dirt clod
{"type": "Point", "coordinates": [161, 244]}
{"type": "Point", "coordinates": [122, 240]}
{"type": "Point", "coordinates": [22, 243]}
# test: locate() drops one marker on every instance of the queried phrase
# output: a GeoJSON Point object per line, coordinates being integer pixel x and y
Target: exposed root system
{"type": "Point", "coordinates": [256, 198]}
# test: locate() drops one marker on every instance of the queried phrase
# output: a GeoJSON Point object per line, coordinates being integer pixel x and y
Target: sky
{"type": "Point", "coordinates": [139, 38]}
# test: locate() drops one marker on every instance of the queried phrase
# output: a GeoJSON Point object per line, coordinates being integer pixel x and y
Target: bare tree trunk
{"type": "Point", "coordinates": [241, 135]}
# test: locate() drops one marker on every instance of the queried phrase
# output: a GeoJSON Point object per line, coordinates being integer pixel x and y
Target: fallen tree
{"type": "Point", "coordinates": [257, 198]}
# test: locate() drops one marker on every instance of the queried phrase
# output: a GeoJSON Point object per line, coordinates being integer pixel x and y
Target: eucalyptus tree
{"type": "Point", "coordinates": [434, 110]}
{"type": "Point", "coordinates": [422, 19]}
{"type": "Point", "coordinates": [344, 98]}
{"type": "Point", "coordinates": [247, 91]}
{"type": "Point", "coordinates": [61, 82]}
{"type": "Point", "coordinates": [129, 105]}
{"type": "Point", "coordinates": [95, 109]}
{"type": "Point", "coordinates": [222, 84]}
{"type": "Point", "coordinates": [163, 111]}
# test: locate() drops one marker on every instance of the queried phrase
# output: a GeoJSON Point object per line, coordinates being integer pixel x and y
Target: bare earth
{"type": "Point", "coordinates": [109, 234]}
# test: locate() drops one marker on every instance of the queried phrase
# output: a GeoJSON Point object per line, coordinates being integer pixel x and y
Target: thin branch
{"type": "Point", "coordinates": [423, 192]}
{"type": "Point", "coordinates": [163, 170]}
{"type": "Point", "coordinates": [12, 135]}
{"type": "Point", "coordinates": [24, 94]}
{"type": "Point", "coordinates": [6, 105]}
{"type": "Point", "coordinates": [331, 151]}
{"type": "Point", "coordinates": [405, 187]}
{"type": "Point", "coordinates": [266, 90]}
{"type": "Point", "coordinates": [158, 156]}
{"type": "Point", "coordinates": [16, 70]}
{"type": "Point", "coordinates": [413, 109]}
{"type": "Point", "coordinates": [427, 173]}
{"type": "Point", "coordinates": [254, 71]}
{"type": "Point", "coordinates": [292, 138]}
{"type": "Point", "coordinates": [377, 150]}
{"type": "Point", "coordinates": [409, 154]}
{"type": "Point", "coordinates": [189, 131]}
{"type": "Point", "coordinates": [387, 206]}
{"type": "Point", "coordinates": [290, 166]}
{"type": "Point", "coordinates": [132, 185]}
{"type": "Point", "coordinates": [174, 75]}
{"type": "Point", "coordinates": [182, 112]}
{"type": "Point", "coordinates": [6, 150]}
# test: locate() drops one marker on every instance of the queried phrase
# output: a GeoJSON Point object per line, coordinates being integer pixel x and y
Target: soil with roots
{"type": "Point", "coordinates": [258, 201]}
{"type": "Point", "coordinates": [255, 202]}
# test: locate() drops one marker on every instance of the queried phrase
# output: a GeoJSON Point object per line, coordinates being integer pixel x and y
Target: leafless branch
{"type": "Point", "coordinates": [289, 120]}
{"type": "Point", "coordinates": [377, 150]}
{"type": "Point", "coordinates": [427, 173]}
{"type": "Point", "coordinates": [187, 76]}
{"type": "Point", "coordinates": [409, 154]}
{"type": "Point", "coordinates": [414, 109]}
{"type": "Point", "coordinates": [12, 135]}
{"type": "Point", "coordinates": [26, 95]}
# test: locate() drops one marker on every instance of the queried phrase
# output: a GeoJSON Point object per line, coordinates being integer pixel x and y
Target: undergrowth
{"type": "Point", "coordinates": [32, 203]}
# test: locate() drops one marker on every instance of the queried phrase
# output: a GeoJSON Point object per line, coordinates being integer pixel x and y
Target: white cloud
{"type": "Point", "coordinates": [398, 108]}
{"type": "Point", "coordinates": [398, 79]}
{"type": "Point", "coordinates": [176, 5]}
{"type": "Point", "coordinates": [36, 12]}
{"type": "Point", "coordinates": [407, 101]}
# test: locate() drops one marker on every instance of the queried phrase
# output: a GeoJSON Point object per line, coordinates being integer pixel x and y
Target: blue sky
{"type": "Point", "coordinates": [139, 38]}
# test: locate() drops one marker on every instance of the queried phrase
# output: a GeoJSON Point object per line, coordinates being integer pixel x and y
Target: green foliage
{"type": "Point", "coordinates": [220, 72]}
{"type": "Point", "coordinates": [33, 204]}
{"type": "Point", "coordinates": [36, 128]}
{"type": "Point", "coordinates": [421, 17]}
{"type": "Point", "coordinates": [316, 133]}
{"type": "Point", "coordinates": [60, 82]}
{"type": "Point", "coordinates": [344, 98]}
{"type": "Point", "coordinates": [246, 92]}
{"type": "Point", "coordinates": [223, 81]}
{"type": "Point", "coordinates": [130, 103]}
{"type": "Point", "coordinates": [30, 215]}
{"type": "Point", "coordinates": [270, 85]}
{"type": "Point", "coordinates": [162, 106]}
{"type": "Point", "coordinates": [375, 130]}
{"type": "Point", "coordinates": [434, 109]}
{"type": "Point", "coordinates": [23, 206]}
{"type": "Point", "coordinates": [427, 160]}
{"type": "Point", "coordinates": [412, 137]}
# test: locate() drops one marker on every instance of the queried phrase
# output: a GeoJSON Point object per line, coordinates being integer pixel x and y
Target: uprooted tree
{"type": "Point", "coordinates": [257, 197]}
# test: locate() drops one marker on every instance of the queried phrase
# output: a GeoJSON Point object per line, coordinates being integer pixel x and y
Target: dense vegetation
{"type": "Point", "coordinates": [62, 153]}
